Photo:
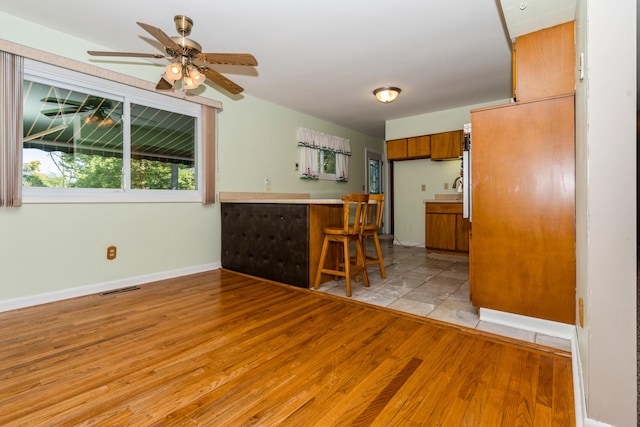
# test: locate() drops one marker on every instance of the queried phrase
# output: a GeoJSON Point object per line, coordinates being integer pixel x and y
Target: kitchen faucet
{"type": "Point", "coordinates": [455, 182]}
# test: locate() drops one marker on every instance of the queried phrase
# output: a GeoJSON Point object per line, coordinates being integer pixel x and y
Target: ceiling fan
{"type": "Point", "coordinates": [187, 60]}
{"type": "Point", "coordinates": [99, 109]}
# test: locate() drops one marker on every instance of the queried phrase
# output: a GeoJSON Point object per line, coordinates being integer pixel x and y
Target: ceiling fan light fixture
{"type": "Point", "coordinates": [387, 94]}
{"type": "Point", "coordinates": [98, 119]}
{"type": "Point", "coordinates": [173, 72]}
{"type": "Point", "coordinates": [193, 78]}
{"type": "Point", "coordinates": [190, 83]}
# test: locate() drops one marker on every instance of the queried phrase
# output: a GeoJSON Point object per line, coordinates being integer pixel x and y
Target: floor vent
{"type": "Point", "coordinates": [121, 290]}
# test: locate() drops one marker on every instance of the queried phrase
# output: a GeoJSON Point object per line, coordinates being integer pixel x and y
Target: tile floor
{"type": "Point", "coordinates": [431, 285]}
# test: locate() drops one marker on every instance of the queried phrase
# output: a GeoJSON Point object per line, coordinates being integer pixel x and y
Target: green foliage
{"type": "Point", "coordinates": [150, 174]}
{"type": "Point", "coordinates": [93, 171]}
{"type": "Point", "coordinates": [328, 159]}
{"type": "Point", "coordinates": [87, 171]}
{"type": "Point", "coordinates": [31, 175]}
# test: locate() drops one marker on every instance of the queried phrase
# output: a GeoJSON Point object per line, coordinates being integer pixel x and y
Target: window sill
{"type": "Point", "coordinates": [110, 196]}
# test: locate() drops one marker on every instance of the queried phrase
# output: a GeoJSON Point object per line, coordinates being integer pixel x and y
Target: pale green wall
{"type": "Point", "coordinates": [410, 175]}
{"type": "Point", "coordinates": [267, 148]}
{"type": "Point", "coordinates": [55, 248]}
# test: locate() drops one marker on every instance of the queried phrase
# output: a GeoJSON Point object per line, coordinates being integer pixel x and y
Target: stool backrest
{"type": "Point", "coordinates": [354, 212]}
{"type": "Point", "coordinates": [374, 212]}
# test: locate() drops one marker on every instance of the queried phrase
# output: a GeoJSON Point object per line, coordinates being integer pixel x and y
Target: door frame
{"type": "Point", "coordinates": [376, 155]}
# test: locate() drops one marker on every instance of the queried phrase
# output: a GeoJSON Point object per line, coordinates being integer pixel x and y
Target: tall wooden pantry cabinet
{"type": "Point", "coordinates": [522, 246]}
{"type": "Point", "coordinates": [522, 239]}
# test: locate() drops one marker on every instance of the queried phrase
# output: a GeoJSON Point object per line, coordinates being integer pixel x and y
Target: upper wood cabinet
{"type": "Point", "coordinates": [437, 146]}
{"type": "Point", "coordinates": [447, 145]}
{"type": "Point", "coordinates": [397, 149]}
{"type": "Point", "coordinates": [416, 147]}
{"type": "Point", "coordinates": [419, 146]}
{"type": "Point", "coordinates": [544, 63]}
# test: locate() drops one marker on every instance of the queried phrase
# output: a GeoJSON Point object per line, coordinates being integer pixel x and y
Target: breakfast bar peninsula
{"type": "Point", "coordinates": [276, 236]}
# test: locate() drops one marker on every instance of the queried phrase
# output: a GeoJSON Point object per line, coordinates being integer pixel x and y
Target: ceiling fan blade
{"type": "Point", "coordinates": [227, 58]}
{"type": "Point", "coordinates": [164, 84]}
{"type": "Point", "coordinates": [129, 54]}
{"type": "Point", "coordinates": [160, 35]}
{"type": "Point", "coordinates": [62, 101]}
{"type": "Point", "coordinates": [222, 81]}
{"type": "Point", "coordinates": [61, 111]}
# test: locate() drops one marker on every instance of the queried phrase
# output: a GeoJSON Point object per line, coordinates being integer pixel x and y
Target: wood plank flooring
{"type": "Point", "coordinates": [223, 349]}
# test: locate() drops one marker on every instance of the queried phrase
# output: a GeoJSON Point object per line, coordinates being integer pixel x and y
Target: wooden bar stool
{"type": "Point", "coordinates": [354, 215]}
{"type": "Point", "coordinates": [370, 229]}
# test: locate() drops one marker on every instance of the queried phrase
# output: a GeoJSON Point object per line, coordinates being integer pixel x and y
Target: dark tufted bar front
{"type": "Point", "coordinates": [278, 240]}
{"type": "Point", "coordinates": [267, 240]}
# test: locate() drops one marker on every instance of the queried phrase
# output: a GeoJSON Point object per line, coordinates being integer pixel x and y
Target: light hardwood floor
{"type": "Point", "coordinates": [223, 349]}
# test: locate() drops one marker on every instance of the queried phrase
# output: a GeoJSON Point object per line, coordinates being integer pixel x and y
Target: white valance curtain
{"type": "Point", "coordinates": [311, 142]}
{"type": "Point", "coordinates": [11, 75]}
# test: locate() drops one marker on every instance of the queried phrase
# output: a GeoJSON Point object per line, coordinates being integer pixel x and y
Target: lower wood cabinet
{"type": "Point", "coordinates": [445, 228]}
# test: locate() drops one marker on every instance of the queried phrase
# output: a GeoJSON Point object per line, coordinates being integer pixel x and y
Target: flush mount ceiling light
{"type": "Point", "coordinates": [386, 94]}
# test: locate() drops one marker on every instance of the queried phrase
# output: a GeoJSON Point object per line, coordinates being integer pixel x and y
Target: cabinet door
{"type": "Point", "coordinates": [419, 147]}
{"type": "Point", "coordinates": [523, 198]}
{"type": "Point", "coordinates": [462, 234]}
{"type": "Point", "coordinates": [397, 149]}
{"type": "Point", "coordinates": [544, 63]}
{"type": "Point", "coordinates": [446, 145]}
{"type": "Point", "coordinates": [440, 231]}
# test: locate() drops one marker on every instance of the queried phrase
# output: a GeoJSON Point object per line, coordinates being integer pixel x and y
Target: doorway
{"type": "Point", "coordinates": [374, 172]}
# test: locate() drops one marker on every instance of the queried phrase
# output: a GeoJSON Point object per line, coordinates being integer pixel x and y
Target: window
{"type": "Point", "coordinates": [95, 140]}
{"type": "Point", "coordinates": [323, 156]}
{"type": "Point", "coordinates": [327, 164]}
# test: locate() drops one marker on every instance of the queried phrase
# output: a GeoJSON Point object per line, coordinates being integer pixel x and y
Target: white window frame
{"type": "Point", "coordinates": [60, 77]}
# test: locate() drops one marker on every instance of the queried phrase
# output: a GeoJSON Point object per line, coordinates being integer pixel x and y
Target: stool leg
{"type": "Point", "coordinates": [362, 262]}
{"type": "Point", "coordinates": [323, 254]}
{"type": "Point", "coordinates": [347, 265]}
{"type": "Point", "coordinates": [376, 243]}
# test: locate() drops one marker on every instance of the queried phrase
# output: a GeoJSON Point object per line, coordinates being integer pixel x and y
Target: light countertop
{"type": "Point", "coordinates": [445, 198]}
{"type": "Point", "coordinates": [280, 198]}
{"type": "Point", "coordinates": [286, 201]}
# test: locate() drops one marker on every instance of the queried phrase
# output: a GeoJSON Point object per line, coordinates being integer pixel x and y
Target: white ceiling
{"type": "Point", "coordinates": [320, 57]}
{"type": "Point", "coordinates": [527, 16]}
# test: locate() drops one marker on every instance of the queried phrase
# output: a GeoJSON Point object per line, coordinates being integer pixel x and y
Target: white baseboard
{"type": "Point", "coordinates": [397, 242]}
{"type": "Point", "coordinates": [553, 329]}
{"type": "Point", "coordinates": [540, 326]}
{"type": "Point", "coordinates": [47, 297]}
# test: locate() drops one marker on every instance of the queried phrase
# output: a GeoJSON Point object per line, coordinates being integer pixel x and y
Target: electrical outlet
{"type": "Point", "coordinates": [446, 185]}
{"type": "Point", "coordinates": [267, 184]}
{"type": "Point", "coordinates": [423, 187]}
{"type": "Point", "coordinates": [111, 252]}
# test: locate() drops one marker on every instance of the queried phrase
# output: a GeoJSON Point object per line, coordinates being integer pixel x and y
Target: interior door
{"type": "Point", "coordinates": [374, 172]}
